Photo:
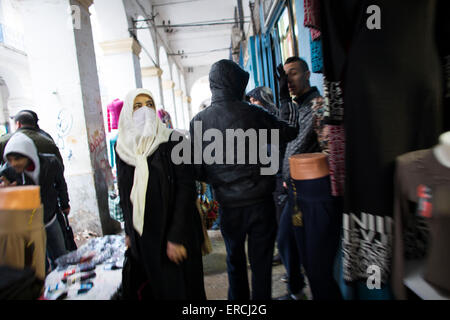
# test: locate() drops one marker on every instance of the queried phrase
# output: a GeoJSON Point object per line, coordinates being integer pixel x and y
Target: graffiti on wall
{"type": "Point", "coordinates": [64, 123]}
{"type": "Point", "coordinates": [99, 156]}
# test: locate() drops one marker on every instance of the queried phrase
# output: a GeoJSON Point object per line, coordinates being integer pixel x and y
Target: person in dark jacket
{"type": "Point", "coordinates": [162, 226]}
{"type": "Point", "coordinates": [294, 80]}
{"type": "Point", "coordinates": [26, 122]}
{"type": "Point", "coordinates": [263, 96]}
{"type": "Point", "coordinates": [17, 118]}
{"type": "Point", "coordinates": [24, 166]}
{"type": "Point", "coordinates": [243, 192]}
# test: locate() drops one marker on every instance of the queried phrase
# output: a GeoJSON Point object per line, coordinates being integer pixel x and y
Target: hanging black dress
{"type": "Point", "coordinates": [391, 92]}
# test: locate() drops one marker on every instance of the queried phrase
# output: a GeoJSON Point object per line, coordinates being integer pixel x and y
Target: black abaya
{"type": "Point", "coordinates": [170, 215]}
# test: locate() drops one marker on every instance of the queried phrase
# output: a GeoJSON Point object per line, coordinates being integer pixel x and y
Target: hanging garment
{"type": "Point", "coordinates": [422, 218]}
{"type": "Point", "coordinates": [316, 56]}
{"type": "Point", "coordinates": [336, 158]}
{"type": "Point", "coordinates": [114, 109]}
{"type": "Point", "coordinates": [22, 233]}
{"type": "Point", "coordinates": [332, 142]}
{"type": "Point", "coordinates": [115, 211]}
{"type": "Point", "coordinates": [392, 104]}
{"type": "Point", "coordinates": [312, 17]}
{"type": "Point", "coordinates": [442, 36]}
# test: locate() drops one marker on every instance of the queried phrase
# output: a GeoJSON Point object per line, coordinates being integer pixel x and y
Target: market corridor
{"type": "Point", "coordinates": [194, 150]}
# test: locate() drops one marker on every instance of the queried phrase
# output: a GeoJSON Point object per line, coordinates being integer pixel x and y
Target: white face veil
{"type": "Point", "coordinates": [136, 141]}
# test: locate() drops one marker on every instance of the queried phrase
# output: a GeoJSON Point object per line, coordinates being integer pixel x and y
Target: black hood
{"type": "Point", "coordinates": [227, 81]}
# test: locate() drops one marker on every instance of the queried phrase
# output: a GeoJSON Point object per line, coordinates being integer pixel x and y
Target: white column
{"type": "Point", "coordinates": [169, 100]}
{"type": "Point", "coordinates": [120, 51]}
{"type": "Point", "coordinates": [187, 100]}
{"type": "Point", "coordinates": [179, 104]}
{"type": "Point", "coordinates": [122, 67]}
{"type": "Point", "coordinates": [151, 80]}
{"type": "Point", "coordinates": [66, 90]}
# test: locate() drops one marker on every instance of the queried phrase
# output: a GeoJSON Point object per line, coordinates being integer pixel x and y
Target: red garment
{"type": "Point", "coordinates": [312, 17]}
{"type": "Point", "coordinates": [31, 167]}
{"type": "Point", "coordinates": [315, 34]}
{"type": "Point", "coordinates": [114, 109]}
{"type": "Point", "coordinates": [336, 158]}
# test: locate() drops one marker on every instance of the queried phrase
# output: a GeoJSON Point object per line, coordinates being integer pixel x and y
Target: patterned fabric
{"type": "Point", "coordinates": [332, 142]}
{"type": "Point", "coordinates": [334, 100]}
{"type": "Point", "coordinates": [115, 211]}
{"type": "Point", "coordinates": [319, 110]}
{"type": "Point", "coordinates": [207, 205]}
{"type": "Point", "coordinates": [312, 17]}
{"type": "Point", "coordinates": [289, 111]}
{"type": "Point", "coordinates": [334, 114]}
{"type": "Point", "coordinates": [316, 56]}
{"type": "Point", "coordinates": [336, 158]}
{"type": "Point", "coordinates": [315, 34]}
{"type": "Point", "coordinates": [164, 116]}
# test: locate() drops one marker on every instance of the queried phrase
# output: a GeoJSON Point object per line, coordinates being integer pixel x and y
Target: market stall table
{"type": "Point", "coordinates": [93, 272]}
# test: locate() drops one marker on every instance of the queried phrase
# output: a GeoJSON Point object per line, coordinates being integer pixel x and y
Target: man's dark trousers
{"type": "Point", "coordinates": [258, 222]}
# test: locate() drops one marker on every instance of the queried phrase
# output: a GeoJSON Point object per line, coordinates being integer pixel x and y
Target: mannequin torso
{"type": "Point", "coordinates": [442, 150]}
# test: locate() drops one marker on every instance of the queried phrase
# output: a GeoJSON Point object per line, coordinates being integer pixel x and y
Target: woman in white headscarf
{"type": "Point", "coordinates": [163, 229]}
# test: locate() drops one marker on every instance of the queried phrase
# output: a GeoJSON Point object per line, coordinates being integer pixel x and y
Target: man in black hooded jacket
{"type": "Point", "coordinates": [243, 191]}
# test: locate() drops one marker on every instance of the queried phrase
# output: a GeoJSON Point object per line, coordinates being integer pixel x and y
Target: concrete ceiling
{"type": "Point", "coordinates": [205, 44]}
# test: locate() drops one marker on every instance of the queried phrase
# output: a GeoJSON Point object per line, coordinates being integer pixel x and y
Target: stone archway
{"type": "Point", "coordinates": [200, 93]}
{"type": "Point", "coordinates": [16, 91]}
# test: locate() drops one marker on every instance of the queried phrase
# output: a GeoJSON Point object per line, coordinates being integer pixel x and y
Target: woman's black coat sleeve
{"type": "Point", "coordinates": [125, 176]}
{"type": "Point", "coordinates": [183, 203]}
